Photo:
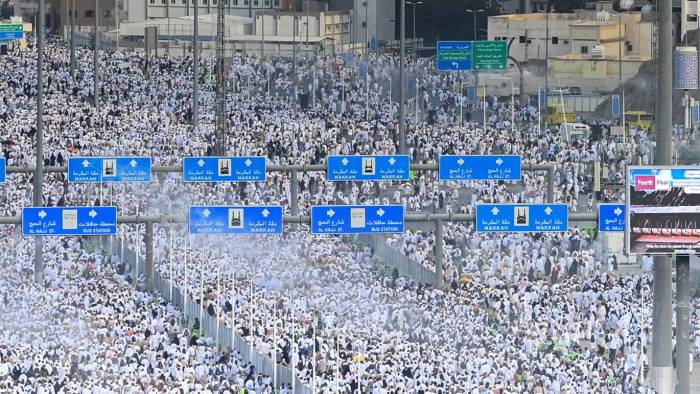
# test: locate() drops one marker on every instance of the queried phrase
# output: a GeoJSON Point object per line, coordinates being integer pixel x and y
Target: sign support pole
{"type": "Point", "coordinates": [294, 189]}
{"type": "Point", "coordinates": [550, 184]}
{"type": "Point", "coordinates": [149, 256]}
{"type": "Point", "coordinates": [662, 368]}
{"type": "Point", "coordinates": [439, 280]}
{"type": "Point", "coordinates": [682, 324]}
{"type": "Point", "coordinates": [39, 171]}
{"type": "Point", "coordinates": [403, 149]}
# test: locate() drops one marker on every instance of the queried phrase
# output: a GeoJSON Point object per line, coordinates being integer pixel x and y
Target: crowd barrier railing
{"type": "Point", "coordinates": [208, 324]}
{"type": "Point", "coordinates": [396, 259]}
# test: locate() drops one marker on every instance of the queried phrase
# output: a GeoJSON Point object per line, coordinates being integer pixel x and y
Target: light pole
{"type": "Point", "coordinates": [403, 148]}
{"type": "Point", "coordinates": [415, 44]}
{"type": "Point", "coordinates": [474, 12]}
{"type": "Point", "coordinates": [476, 74]}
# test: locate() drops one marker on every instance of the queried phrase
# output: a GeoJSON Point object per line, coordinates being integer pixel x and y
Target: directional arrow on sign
{"type": "Point", "coordinates": [265, 213]}
{"type": "Point", "coordinates": [380, 212]}
{"type": "Point", "coordinates": [392, 161]}
{"type": "Point", "coordinates": [248, 163]}
{"type": "Point", "coordinates": [92, 213]}
{"type": "Point", "coordinates": [455, 64]}
{"type": "Point", "coordinates": [42, 214]}
{"type": "Point", "coordinates": [330, 213]}
{"type": "Point", "coordinates": [206, 213]}
{"type": "Point", "coordinates": [548, 211]}
{"type": "Point", "coordinates": [499, 161]}
{"type": "Point", "coordinates": [86, 163]}
{"type": "Point", "coordinates": [460, 161]}
{"type": "Point", "coordinates": [133, 163]}
{"type": "Point", "coordinates": [618, 211]}
{"type": "Point", "coordinates": [344, 161]}
{"type": "Point", "coordinates": [201, 163]}
{"type": "Point", "coordinates": [495, 211]}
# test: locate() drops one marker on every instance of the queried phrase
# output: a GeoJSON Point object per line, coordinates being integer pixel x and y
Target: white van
{"type": "Point", "coordinates": [574, 130]}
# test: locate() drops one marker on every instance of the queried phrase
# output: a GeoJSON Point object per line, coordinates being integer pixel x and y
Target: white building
{"type": "Point", "coordinates": [688, 17]}
{"type": "Point", "coordinates": [141, 10]}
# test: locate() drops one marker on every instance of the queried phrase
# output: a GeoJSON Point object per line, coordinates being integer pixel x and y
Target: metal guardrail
{"type": "Point", "coordinates": [208, 324]}
{"type": "Point", "coordinates": [401, 262]}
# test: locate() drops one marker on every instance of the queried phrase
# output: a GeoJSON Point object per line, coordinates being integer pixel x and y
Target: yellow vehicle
{"type": "Point", "coordinates": [557, 114]}
{"type": "Point", "coordinates": [640, 120]}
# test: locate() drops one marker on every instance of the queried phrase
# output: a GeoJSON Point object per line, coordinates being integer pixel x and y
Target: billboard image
{"type": "Point", "coordinates": [663, 210]}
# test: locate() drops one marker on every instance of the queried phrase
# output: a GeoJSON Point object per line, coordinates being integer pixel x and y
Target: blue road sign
{"type": "Point", "coordinates": [611, 218]}
{"type": "Point", "coordinates": [410, 83]}
{"type": "Point", "coordinates": [543, 97]}
{"type": "Point", "coordinates": [615, 104]}
{"type": "Point", "coordinates": [109, 169]}
{"type": "Point", "coordinates": [368, 168]}
{"type": "Point", "coordinates": [373, 45]}
{"type": "Point", "coordinates": [69, 221]}
{"type": "Point", "coordinates": [483, 168]}
{"type": "Point", "coordinates": [454, 55]}
{"type": "Point", "coordinates": [355, 219]}
{"type": "Point", "coordinates": [11, 35]}
{"type": "Point", "coordinates": [696, 112]}
{"type": "Point", "coordinates": [471, 94]}
{"type": "Point", "coordinates": [362, 69]}
{"type": "Point", "coordinates": [3, 169]}
{"type": "Point", "coordinates": [349, 57]}
{"type": "Point", "coordinates": [516, 218]}
{"type": "Point", "coordinates": [224, 169]}
{"type": "Point", "coordinates": [236, 220]}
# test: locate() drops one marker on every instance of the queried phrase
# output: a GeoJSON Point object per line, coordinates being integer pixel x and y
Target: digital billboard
{"type": "Point", "coordinates": [663, 210]}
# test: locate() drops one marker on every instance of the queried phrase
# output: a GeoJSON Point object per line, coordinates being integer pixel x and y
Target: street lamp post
{"type": "Point", "coordinates": [474, 12]}
{"type": "Point", "coordinates": [476, 74]}
{"type": "Point", "coordinates": [415, 44]}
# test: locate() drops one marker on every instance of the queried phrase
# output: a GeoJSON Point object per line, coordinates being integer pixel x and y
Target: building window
{"type": "Point", "coordinates": [522, 39]}
{"type": "Point", "coordinates": [107, 13]}
{"type": "Point", "coordinates": [89, 13]}
{"type": "Point", "coordinates": [692, 18]}
{"type": "Point", "coordinates": [555, 40]}
{"type": "Point", "coordinates": [630, 48]}
{"type": "Point", "coordinates": [277, 3]}
{"type": "Point", "coordinates": [256, 3]}
{"type": "Point", "coordinates": [584, 49]}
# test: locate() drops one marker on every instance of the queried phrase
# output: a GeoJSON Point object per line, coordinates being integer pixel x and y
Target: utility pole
{"type": "Point", "coordinates": [683, 312]}
{"type": "Point", "coordinates": [95, 57]}
{"type": "Point", "coordinates": [415, 44]}
{"type": "Point", "coordinates": [619, 47]}
{"type": "Point", "coordinates": [262, 54]}
{"type": "Point", "coordinates": [39, 171]}
{"type": "Point", "coordinates": [306, 49]}
{"type": "Point", "coordinates": [367, 28]}
{"type": "Point", "coordinates": [72, 39]}
{"type": "Point", "coordinates": [662, 368]}
{"type": "Point", "coordinates": [546, 56]}
{"type": "Point", "coordinates": [195, 68]}
{"type": "Point", "coordinates": [403, 149]}
{"type": "Point", "coordinates": [116, 24]}
{"type": "Point", "coordinates": [221, 127]}
{"type": "Point", "coordinates": [294, 49]}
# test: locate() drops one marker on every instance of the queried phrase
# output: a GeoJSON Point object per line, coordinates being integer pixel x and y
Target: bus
{"type": "Point", "coordinates": [640, 120]}
{"type": "Point", "coordinates": [557, 114]}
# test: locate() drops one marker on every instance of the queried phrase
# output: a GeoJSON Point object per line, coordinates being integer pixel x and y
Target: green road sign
{"type": "Point", "coordinates": [490, 55]}
{"type": "Point", "coordinates": [10, 27]}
